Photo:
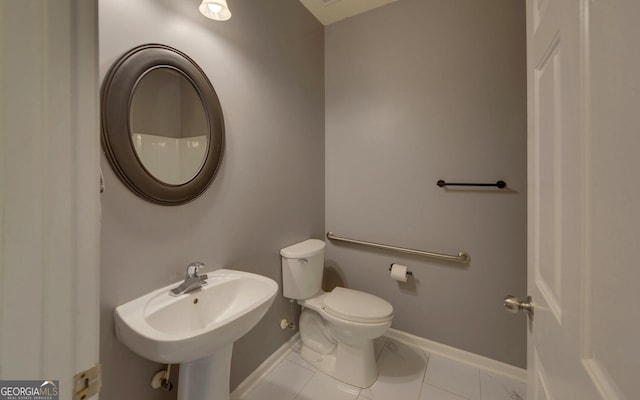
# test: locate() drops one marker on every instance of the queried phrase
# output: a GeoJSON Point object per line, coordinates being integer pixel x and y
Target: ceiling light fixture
{"type": "Point", "coordinates": [217, 10]}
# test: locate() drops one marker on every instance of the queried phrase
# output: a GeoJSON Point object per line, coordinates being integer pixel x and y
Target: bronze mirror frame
{"type": "Point", "coordinates": [117, 92]}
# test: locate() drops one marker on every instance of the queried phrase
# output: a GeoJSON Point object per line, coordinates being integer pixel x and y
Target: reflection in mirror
{"type": "Point", "coordinates": [168, 126]}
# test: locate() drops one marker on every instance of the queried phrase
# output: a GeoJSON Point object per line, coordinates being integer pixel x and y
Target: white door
{"type": "Point", "coordinates": [584, 198]}
{"type": "Point", "coordinates": [49, 190]}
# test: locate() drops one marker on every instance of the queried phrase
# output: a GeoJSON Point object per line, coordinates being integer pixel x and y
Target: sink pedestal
{"type": "Point", "coordinates": [206, 378]}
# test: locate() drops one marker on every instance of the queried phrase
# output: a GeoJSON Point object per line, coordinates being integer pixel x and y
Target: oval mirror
{"type": "Point", "coordinates": [162, 125]}
{"type": "Point", "coordinates": [168, 126]}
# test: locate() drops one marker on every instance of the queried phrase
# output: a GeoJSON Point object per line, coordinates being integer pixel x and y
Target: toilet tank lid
{"type": "Point", "coordinates": [308, 248]}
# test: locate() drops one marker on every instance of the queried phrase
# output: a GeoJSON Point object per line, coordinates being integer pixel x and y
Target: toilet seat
{"type": "Point", "coordinates": [353, 305]}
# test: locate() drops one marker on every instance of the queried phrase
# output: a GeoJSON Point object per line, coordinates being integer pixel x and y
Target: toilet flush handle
{"type": "Point", "coordinates": [303, 260]}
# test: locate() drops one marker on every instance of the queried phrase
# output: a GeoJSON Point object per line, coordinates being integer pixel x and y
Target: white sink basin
{"type": "Point", "coordinates": [194, 325]}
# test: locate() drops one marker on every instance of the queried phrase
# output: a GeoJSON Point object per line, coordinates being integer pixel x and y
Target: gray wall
{"type": "Point", "coordinates": [266, 65]}
{"type": "Point", "coordinates": [418, 91]}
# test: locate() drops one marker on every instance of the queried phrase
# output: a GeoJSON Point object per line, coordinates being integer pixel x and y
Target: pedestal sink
{"type": "Point", "coordinates": [197, 329]}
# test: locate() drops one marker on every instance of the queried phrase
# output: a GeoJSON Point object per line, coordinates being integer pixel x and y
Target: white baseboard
{"type": "Point", "coordinates": [453, 353]}
{"type": "Point", "coordinates": [263, 369]}
{"type": "Point", "coordinates": [427, 345]}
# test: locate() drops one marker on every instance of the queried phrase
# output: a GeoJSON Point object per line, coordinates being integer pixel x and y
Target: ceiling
{"type": "Point", "coordinates": [330, 11]}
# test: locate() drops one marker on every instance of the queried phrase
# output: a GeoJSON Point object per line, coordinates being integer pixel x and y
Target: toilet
{"type": "Point", "coordinates": [337, 328]}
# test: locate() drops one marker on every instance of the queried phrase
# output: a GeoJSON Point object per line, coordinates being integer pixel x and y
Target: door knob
{"type": "Point", "coordinates": [513, 304]}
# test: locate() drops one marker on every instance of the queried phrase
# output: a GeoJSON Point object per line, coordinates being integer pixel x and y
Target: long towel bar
{"type": "Point", "coordinates": [498, 184]}
{"type": "Point", "coordinates": [462, 257]}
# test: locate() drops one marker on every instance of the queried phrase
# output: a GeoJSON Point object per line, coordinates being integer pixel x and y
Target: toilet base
{"type": "Point", "coordinates": [355, 366]}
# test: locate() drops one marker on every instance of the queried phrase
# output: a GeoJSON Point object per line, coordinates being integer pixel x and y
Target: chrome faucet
{"type": "Point", "coordinates": [192, 280]}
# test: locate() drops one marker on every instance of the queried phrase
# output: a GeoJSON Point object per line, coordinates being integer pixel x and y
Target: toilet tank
{"type": "Point", "coordinates": [302, 268]}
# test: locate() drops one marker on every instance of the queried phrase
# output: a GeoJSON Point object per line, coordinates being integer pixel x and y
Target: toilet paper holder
{"type": "Point", "coordinates": [409, 273]}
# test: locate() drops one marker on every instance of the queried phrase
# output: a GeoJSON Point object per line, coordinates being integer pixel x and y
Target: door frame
{"type": "Point", "coordinates": [49, 201]}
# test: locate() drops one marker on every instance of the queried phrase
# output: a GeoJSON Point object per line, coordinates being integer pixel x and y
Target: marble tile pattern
{"type": "Point", "coordinates": [406, 373]}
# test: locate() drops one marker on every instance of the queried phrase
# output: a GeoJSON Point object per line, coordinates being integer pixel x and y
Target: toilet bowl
{"type": "Point", "coordinates": [338, 327]}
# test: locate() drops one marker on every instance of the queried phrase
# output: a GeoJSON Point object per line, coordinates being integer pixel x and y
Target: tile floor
{"type": "Point", "coordinates": [406, 373]}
